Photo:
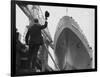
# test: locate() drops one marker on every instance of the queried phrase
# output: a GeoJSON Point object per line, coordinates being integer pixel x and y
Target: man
{"type": "Point", "coordinates": [35, 40]}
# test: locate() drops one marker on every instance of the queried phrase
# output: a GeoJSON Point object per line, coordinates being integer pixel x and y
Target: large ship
{"type": "Point", "coordinates": [71, 46]}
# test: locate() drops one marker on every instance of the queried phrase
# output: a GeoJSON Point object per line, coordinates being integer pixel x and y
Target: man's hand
{"type": "Point", "coordinates": [46, 22]}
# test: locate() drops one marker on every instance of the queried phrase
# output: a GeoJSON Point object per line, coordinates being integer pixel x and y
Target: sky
{"type": "Point", "coordinates": [84, 17]}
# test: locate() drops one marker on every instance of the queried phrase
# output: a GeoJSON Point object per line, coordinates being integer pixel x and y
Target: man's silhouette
{"type": "Point", "coordinates": [34, 39]}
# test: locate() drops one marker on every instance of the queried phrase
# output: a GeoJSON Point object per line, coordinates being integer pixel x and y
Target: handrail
{"type": "Point", "coordinates": [52, 58]}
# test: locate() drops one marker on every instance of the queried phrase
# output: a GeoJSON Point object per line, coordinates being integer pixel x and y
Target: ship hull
{"type": "Point", "coordinates": [71, 47]}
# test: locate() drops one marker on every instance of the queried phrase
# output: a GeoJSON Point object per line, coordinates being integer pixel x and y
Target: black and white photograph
{"type": "Point", "coordinates": [52, 38]}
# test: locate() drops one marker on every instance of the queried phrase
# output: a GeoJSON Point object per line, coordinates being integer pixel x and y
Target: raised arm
{"type": "Point", "coordinates": [45, 25]}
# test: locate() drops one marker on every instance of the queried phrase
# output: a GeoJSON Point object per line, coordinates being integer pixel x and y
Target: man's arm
{"type": "Point", "coordinates": [45, 25]}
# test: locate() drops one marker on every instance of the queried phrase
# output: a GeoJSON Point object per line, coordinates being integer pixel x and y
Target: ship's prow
{"type": "Point", "coordinates": [71, 47]}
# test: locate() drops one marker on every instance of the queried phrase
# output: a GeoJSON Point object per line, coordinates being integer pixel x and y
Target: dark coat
{"type": "Point", "coordinates": [34, 34]}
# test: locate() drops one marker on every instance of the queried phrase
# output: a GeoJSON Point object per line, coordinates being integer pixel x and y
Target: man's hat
{"type": "Point", "coordinates": [47, 14]}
